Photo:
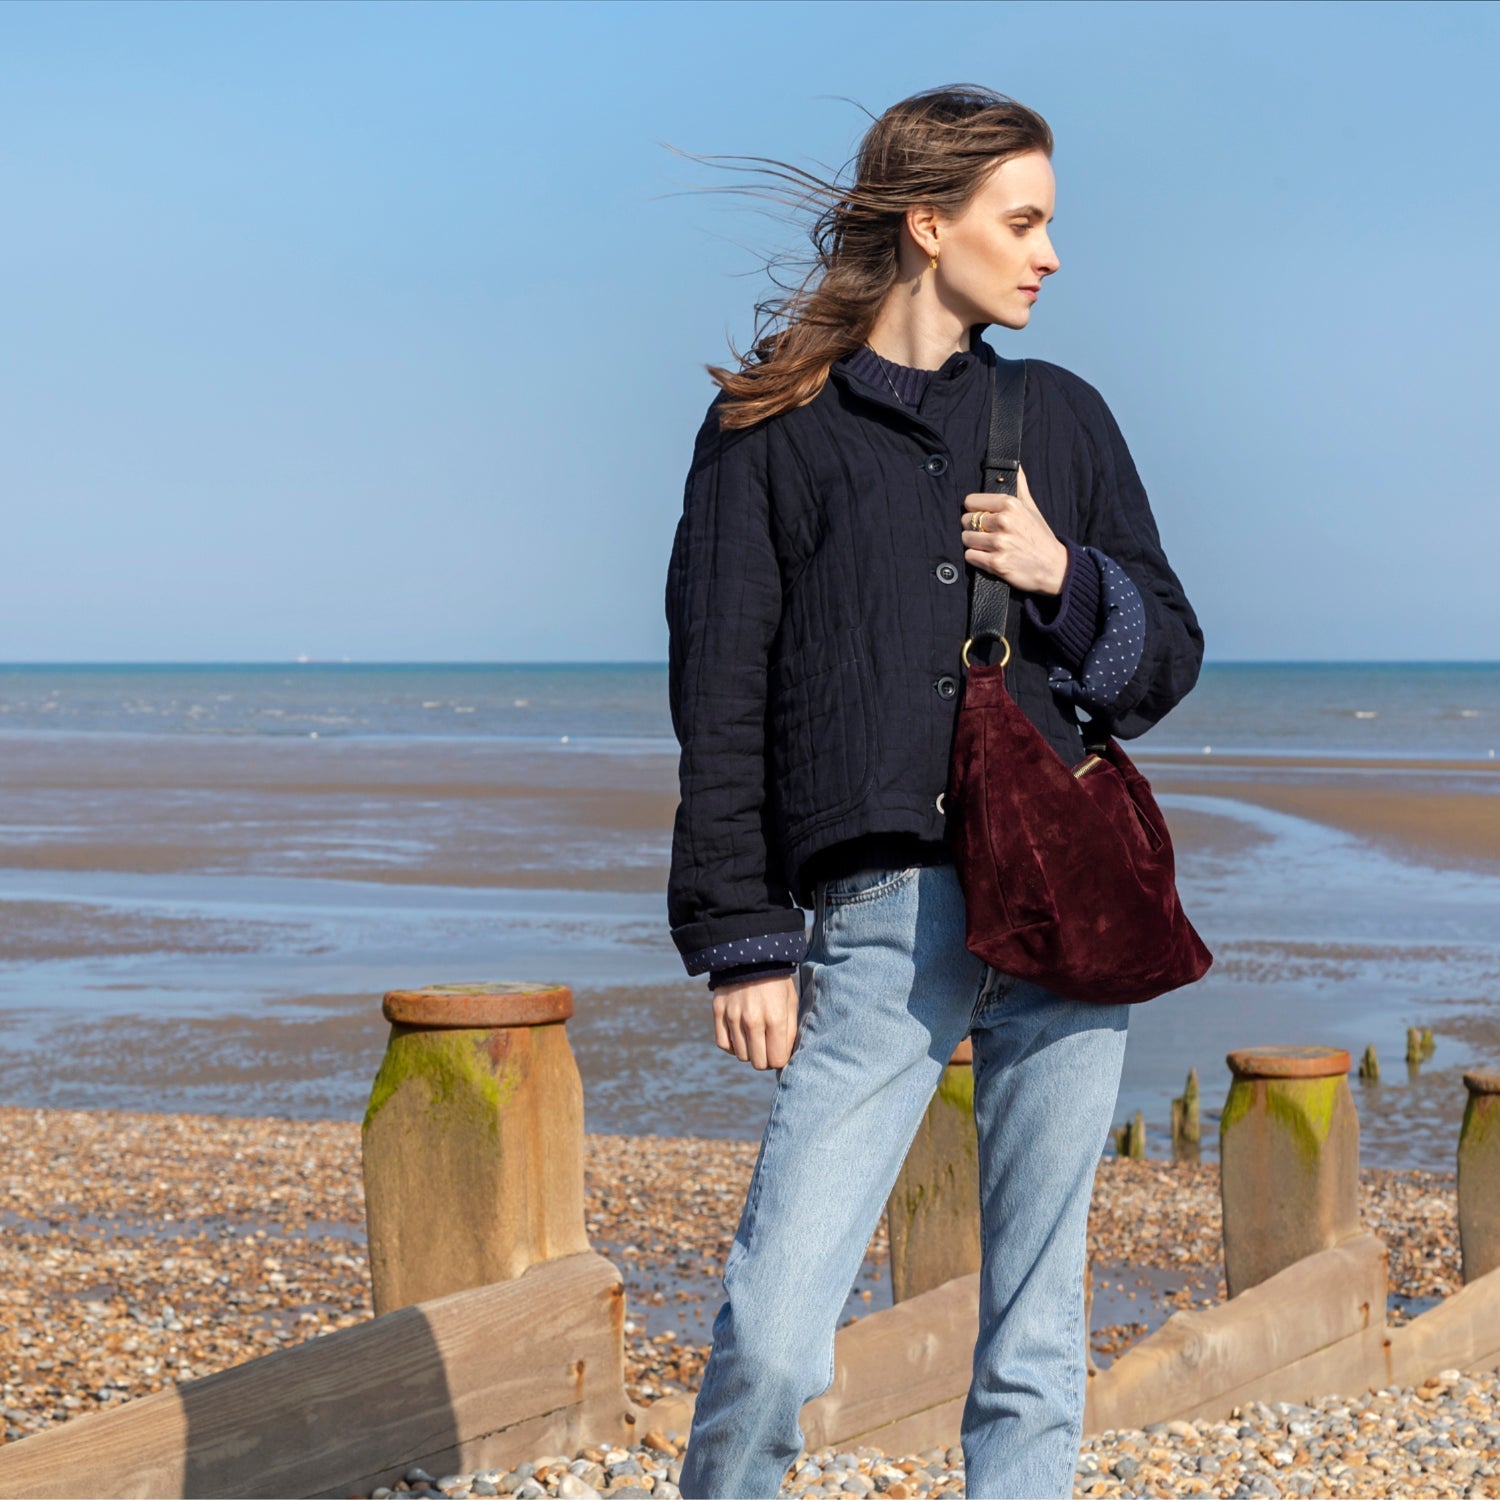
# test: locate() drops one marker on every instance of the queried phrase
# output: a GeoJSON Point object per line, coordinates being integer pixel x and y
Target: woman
{"type": "Point", "coordinates": [816, 621]}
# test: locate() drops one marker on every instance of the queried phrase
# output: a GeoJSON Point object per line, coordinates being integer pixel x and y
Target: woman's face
{"type": "Point", "coordinates": [993, 257]}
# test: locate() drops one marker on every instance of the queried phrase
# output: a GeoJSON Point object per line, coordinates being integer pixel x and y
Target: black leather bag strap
{"type": "Point", "coordinates": [989, 596]}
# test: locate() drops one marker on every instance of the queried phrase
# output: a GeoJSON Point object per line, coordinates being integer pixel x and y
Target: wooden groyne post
{"type": "Point", "coordinates": [1479, 1176]}
{"type": "Point", "coordinates": [1288, 1159]}
{"type": "Point", "coordinates": [1186, 1129]}
{"type": "Point", "coordinates": [932, 1213]}
{"type": "Point", "coordinates": [472, 1141]}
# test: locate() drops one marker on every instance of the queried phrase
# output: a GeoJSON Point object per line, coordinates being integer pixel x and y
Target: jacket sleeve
{"type": "Point", "coordinates": [1123, 537]}
{"type": "Point", "coordinates": [727, 899]}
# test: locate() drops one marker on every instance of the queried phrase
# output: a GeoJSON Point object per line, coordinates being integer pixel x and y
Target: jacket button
{"type": "Point", "coordinates": [936, 464]}
{"type": "Point", "coordinates": [940, 797]}
{"type": "Point", "coordinates": [946, 687]}
{"type": "Point", "coordinates": [947, 573]}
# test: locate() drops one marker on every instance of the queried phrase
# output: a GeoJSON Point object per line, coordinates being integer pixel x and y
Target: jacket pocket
{"type": "Point", "coordinates": [822, 729]}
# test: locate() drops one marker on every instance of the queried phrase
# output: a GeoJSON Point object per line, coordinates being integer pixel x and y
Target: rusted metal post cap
{"type": "Point", "coordinates": [1482, 1083]}
{"type": "Point", "coordinates": [479, 1006]}
{"type": "Point", "coordinates": [1289, 1062]}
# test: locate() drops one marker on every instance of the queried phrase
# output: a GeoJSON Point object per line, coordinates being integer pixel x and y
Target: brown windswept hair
{"type": "Point", "coordinates": [936, 147]}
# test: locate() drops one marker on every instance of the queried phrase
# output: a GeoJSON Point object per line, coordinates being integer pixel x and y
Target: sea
{"type": "Point", "coordinates": [209, 874]}
{"type": "Point", "coordinates": [1423, 709]}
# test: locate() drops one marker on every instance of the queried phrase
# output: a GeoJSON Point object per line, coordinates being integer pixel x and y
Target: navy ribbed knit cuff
{"type": "Point", "coordinates": [1072, 623]}
{"type": "Point", "coordinates": [748, 971]}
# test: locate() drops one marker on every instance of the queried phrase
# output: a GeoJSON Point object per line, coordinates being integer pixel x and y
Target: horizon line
{"type": "Point", "coordinates": [662, 663]}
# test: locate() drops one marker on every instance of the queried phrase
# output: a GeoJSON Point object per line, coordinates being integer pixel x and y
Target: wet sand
{"type": "Point", "coordinates": [646, 1055]}
{"type": "Point", "coordinates": [396, 811]}
{"type": "Point", "coordinates": [1448, 811]}
{"type": "Point", "coordinates": [206, 924]}
{"type": "Point", "coordinates": [495, 816]}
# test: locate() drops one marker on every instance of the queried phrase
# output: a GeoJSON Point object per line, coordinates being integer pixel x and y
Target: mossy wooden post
{"type": "Point", "coordinates": [1186, 1130]}
{"type": "Point", "coordinates": [473, 1140]}
{"type": "Point", "coordinates": [933, 1211]}
{"type": "Point", "coordinates": [1191, 1126]}
{"type": "Point", "coordinates": [1288, 1159]}
{"type": "Point", "coordinates": [1479, 1176]}
{"type": "Point", "coordinates": [1130, 1140]}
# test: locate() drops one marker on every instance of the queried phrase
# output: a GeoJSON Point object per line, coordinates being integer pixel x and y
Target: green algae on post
{"type": "Point", "coordinates": [1304, 1106]}
{"type": "Point", "coordinates": [453, 1064]}
{"type": "Point", "coordinates": [956, 1088]}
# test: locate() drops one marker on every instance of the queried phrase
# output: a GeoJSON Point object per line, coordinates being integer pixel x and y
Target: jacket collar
{"type": "Point", "coordinates": [951, 382]}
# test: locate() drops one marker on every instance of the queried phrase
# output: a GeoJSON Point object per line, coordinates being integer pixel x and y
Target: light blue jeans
{"type": "Point", "coordinates": [887, 991]}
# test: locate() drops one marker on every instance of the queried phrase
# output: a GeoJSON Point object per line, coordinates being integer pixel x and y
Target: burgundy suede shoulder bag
{"type": "Point", "coordinates": [1067, 871]}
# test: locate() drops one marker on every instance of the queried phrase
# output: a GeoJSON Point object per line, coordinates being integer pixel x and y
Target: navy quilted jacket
{"type": "Point", "coordinates": [817, 606]}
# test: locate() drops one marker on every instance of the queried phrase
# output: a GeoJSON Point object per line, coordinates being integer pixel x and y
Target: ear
{"type": "Point", "coordinates": [923, 224]}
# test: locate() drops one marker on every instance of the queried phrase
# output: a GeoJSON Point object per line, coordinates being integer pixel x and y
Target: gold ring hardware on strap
{"type": "Point", "coordinates": [1087, 764]}
{"type": "Point", "coordinates": [1000, 663]}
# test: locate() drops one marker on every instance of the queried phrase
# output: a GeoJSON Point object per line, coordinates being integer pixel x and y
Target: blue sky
{"type": "Point", "coordinates": [378, 330]}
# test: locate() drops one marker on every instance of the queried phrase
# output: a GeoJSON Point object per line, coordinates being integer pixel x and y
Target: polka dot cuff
{"type": "Point", "coordinates": [1117, 650]}
{"type": "Point", "coordinates": [788, 947]}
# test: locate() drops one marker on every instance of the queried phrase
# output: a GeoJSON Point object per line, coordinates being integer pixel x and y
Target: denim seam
{"type": "Point", "coordinates": [984, 1268]}
{"type": "Point", "coordinates": [753, 1205]}
{"type": "Point", "coordinates": [1080, 1363]}
{"type": "Point", "coordinates": [873, 892]}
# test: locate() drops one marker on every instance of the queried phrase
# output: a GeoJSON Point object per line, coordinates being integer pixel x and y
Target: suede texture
{"type": "Point", "coordinates": [1069, 881]}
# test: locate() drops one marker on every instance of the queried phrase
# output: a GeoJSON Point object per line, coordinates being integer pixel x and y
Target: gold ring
{"type": "Point", "coordinates": [979, 520]}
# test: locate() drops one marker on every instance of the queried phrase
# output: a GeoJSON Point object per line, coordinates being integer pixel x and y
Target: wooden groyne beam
{"type": "Point", "coordinates": [480, 1378]}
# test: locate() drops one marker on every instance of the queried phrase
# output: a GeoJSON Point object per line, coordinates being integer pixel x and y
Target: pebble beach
{"type": "Point", "coordinates": [143, 1250]}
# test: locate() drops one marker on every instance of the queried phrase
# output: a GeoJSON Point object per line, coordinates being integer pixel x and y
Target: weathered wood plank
{"type": "Point", "coordinates": [1461, 1333]}
{"type": "Point", "coordinates": [1196, 1359]}
{"type": "Point", "coordinates": [1352, 1365]}
{"type": "Point", "coordinates": [937, 1427]}
{"type": "Point", "coordinates": [1316, 1328]}
{"type": "Point", "coordinates": [897, 1362]}
{"type": "Point", "coordinates": [479, 1377]}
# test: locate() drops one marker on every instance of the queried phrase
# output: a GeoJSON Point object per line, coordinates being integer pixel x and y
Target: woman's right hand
{"type": "Point", "coordinates": [756, 1019]}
